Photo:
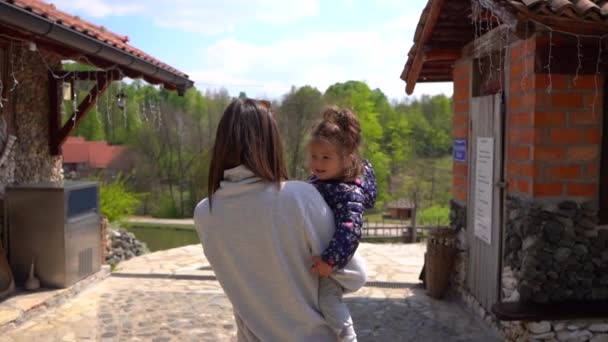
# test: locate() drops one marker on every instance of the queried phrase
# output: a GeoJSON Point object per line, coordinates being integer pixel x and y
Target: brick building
{"type": "Point", "coordinates": [530, 184]}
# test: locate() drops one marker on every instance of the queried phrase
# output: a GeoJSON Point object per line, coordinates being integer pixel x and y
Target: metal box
{"type": "Point", "coordinates": [56, 225]}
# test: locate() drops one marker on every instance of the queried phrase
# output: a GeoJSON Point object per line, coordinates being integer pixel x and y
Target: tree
{"type": "Point", "coordinates": [357, 96]}
{"type": "Point", "coordinates": [299, 109]}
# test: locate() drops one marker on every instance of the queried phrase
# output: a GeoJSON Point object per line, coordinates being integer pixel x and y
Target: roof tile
{"type": "Point", "coordinates": [98, 32]}
{"type": "Point", "coordinates": [586, 10]}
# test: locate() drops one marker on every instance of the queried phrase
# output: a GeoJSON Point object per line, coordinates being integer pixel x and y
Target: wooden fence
{"type": "Point", "coordinates": [384, 231]}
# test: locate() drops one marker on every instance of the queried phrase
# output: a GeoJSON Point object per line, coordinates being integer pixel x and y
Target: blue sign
{"type": "Point", "coordinates": [460, 150]}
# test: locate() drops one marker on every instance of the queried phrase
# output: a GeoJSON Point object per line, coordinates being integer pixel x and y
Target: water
{"type": "Point", "coordinates": [161, 238]}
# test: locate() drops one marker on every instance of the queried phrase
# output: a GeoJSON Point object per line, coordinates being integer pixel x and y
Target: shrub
{"type": "Point", "coordinates": [166, 208]}
{"type": "Point", "coordinates": [116, 200]}
{"type": "Point", "coordinates": [435, 215]}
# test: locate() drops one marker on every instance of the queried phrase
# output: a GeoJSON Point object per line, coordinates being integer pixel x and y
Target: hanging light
{"type": "Point", "coordinates": [68, 90]}
{"type": "Point", "coordinates": [121, 99]}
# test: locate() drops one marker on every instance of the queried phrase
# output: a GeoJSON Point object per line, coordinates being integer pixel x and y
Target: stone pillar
{"type": "Point", "coordinates": [30, 100]}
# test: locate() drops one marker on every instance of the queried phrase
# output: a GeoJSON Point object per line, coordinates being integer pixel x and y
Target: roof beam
{"type": "Point", "coordinates": [83, 109]}
{"type": "Point", "coordinates": [490, 42]}
{"type": "Point", "coordinates": [429, 25]}
{"type": "Point", "coordinates": [442, 55]}
{"type": "Point", "coordinates": [500, 10]}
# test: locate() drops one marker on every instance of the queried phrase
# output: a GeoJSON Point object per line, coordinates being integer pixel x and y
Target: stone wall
{"type": "Point", "coordinates": [25, 115]}
{"type": "Point", "coordinates": [458, 214]}
{"type": "Point", "coordinates": [33, 161]}
{"type": "Point", "coordinates": [556, 251]}
{"type": "Point", "coordinates": [575, 330]}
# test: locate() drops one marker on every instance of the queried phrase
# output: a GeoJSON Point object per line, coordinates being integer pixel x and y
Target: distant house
{"type": "Point", "coordinates": [82, 158]}
{"type": "Point", "coordinates": [401, 209]}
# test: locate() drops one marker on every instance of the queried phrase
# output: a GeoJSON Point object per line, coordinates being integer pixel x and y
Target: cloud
{"type": "Point", "coordinates": [206, 17]}
{"type": "Point", "coordinates": [98, 8]}
{"type": "Point", "coordinates": [311, 58]}
{"type": "Point", "coordinates": [373, 51]}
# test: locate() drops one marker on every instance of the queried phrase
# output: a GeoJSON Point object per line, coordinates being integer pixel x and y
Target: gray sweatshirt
{"type": "Point", "coordinates": [260, 240]}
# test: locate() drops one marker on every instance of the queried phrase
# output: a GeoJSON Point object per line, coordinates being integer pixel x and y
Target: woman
{"type": "Point", "coordinates": [260, 232]}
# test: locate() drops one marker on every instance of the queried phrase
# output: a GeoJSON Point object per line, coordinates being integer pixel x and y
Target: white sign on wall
{"type": "Point", "coordinates": [484, 188]}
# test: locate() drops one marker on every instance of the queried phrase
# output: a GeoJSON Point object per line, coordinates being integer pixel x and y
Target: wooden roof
{"type": "Point", "coordinates": [580, 10]}
{"type": "Point", "coordinates": [446, 26]}
{"type": "Point", "coordinates": [403, 203]}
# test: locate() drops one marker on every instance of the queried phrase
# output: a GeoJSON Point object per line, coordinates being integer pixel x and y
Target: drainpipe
{"type": "Point", "coordinates": [40, 26]}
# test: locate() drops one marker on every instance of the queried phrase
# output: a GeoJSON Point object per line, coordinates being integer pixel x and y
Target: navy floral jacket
{"type": "Point", "coordinates": [347, 200]}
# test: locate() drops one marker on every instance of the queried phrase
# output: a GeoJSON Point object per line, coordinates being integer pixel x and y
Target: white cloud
{"type": "Point", "coordinates": [375, 54]}
{"type": "Point", "coordinates": [207, 17]}
{"type": "Point", "coordinates": [98, 8]}
{"type": "Point", "coordinates": [312, 58]}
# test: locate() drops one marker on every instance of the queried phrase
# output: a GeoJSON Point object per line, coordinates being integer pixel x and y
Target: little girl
{"type": "Point", "coordinates": [348, 185]}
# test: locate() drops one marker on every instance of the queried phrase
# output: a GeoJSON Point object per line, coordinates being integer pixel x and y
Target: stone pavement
{"type": "Point", "coordinates": [173, 296]}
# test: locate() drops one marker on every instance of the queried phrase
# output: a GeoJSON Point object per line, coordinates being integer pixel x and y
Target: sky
{"type": "Point", "coordinates": [264, 47]}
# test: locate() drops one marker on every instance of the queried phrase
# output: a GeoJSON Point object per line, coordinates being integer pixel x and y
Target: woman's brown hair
{"type": "Point", "coordinates": [341, 128]}
{"type": "Point", "coordinates": [247, 134]}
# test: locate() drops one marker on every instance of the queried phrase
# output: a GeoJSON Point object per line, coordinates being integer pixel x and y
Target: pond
{"type": "Point", "coordinates": [159, 238]}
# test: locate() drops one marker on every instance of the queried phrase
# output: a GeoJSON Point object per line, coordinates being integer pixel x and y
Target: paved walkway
{"type": "Point", "coordinates": [173, 296]}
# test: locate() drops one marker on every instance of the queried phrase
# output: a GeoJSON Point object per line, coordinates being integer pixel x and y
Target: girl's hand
{"type": "Point", "coordinates": [320, 267]}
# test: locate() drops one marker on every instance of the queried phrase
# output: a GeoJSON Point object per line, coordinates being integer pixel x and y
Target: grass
{"type": "Point", "coordinates": [128, 225]}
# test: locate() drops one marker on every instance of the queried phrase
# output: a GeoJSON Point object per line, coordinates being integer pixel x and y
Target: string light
{"type": "Point", "coordinates": [524, 79]}
{"type": "Point", "coordinates": [488, 46]}
{"type": "Point", "coordinates": [579, 55]}
{"type": "Point", "coordinates": [2, 99]}
{"type": "Point", "coordinates": [595, 77]}
{"type": "Point", "coordinates": [548, 66]}
{"type": "Point", "coordinates": [75, 98]}
{"type": "Point", "coordinates": [505, 41]}
{"type": "Point", "coordinates": [12, 62]}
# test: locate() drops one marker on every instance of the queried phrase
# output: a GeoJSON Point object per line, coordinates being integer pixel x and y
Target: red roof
{"type": "Point", "coordinates": [97, 154]}
{"type": "Point", "coordinates": [100, 33]}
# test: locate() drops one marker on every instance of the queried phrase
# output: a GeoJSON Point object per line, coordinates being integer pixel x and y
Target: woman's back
{"type": "Point", "coordinates": [259, 240]}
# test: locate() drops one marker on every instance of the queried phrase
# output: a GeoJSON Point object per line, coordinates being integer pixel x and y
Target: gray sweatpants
{"type": "Point", "coordinates": [335, 311]}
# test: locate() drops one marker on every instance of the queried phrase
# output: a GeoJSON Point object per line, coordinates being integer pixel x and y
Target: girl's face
{"type": "Point", "coordinates": [325, 161]}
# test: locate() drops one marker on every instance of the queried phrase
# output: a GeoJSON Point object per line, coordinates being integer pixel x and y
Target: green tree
{"type": "Point", "coordinates": [300, 107]}
{"type": "Point", "coordinates": [358, 96]}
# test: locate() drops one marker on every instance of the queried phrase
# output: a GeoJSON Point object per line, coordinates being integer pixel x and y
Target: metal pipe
{"type": "Point", "coordinates": [40, 26]}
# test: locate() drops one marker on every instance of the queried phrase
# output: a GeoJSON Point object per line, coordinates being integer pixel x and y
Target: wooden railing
{"type": "Point", "coordinates": [393, 231]}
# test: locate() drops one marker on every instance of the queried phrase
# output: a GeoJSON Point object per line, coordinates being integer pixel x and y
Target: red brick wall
{"type": "Point", "coordinates": [462, 93]}
{"type": "Point", "coordinates": [553, 130]}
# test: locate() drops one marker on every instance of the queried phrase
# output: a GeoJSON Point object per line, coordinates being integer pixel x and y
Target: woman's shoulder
{"type": "Point", "coordinates": [302, 193]}
{"type": "Point", "coordinates": [298, 189]}
{"type": "Point", "coordinates": [201, 208]}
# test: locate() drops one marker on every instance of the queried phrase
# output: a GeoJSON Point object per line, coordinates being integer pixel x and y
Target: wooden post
{"type": "Point", "coordinates": [414, 212]}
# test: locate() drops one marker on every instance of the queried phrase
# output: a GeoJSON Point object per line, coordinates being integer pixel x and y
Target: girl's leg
{"type": "Point", "coordinates": [335, 311]}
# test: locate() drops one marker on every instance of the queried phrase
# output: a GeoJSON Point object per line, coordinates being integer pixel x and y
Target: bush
{"type": "Point", "coordinates": [117, 201]}
{"type": "Point", "coordinates": [166, 208]}
{"type": "Point", "coordinates": [435, 215]}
